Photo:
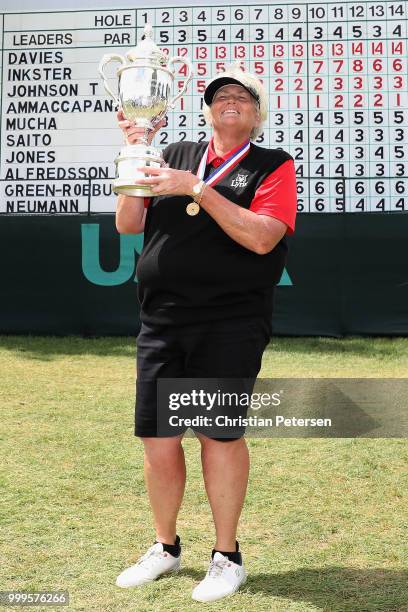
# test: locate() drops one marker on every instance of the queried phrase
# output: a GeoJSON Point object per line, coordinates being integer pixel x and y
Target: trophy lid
{"type": "Point", "coordinates": [147, 49]}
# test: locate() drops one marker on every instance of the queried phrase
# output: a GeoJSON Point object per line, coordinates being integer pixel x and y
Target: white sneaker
{"type": "Point", "coordinates": [149, 567]}
{"type": "Point", "coordinates": [223, 578]}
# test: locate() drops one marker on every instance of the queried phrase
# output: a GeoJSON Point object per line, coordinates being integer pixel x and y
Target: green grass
{"type": "Point", "coordinates": [324, 526]}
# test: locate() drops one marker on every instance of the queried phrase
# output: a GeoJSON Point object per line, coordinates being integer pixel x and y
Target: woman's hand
{"type": "Point", "coordinates": [132, 133]}
{"type": "Point", "coordinates": [168, 181]}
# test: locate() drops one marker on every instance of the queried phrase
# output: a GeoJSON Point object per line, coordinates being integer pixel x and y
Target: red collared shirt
{"type": "Point", "coordinates": [276, 196]}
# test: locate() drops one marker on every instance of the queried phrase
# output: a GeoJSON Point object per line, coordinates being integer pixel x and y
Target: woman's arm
{"type": "Point", "coordinates": [256, 232]}
{"type": "Point", "coordinates": [130, 214]}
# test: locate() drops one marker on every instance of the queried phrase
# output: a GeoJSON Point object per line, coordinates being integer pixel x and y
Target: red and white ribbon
{"type": "Point", "coordinates": [226, 167]}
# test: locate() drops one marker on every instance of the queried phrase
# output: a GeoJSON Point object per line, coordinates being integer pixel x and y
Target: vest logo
{"type": "Point", "coordinates": [241, 180]}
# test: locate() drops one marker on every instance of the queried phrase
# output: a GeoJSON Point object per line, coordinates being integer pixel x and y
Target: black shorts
{"type": "Point", "coordinates": [230, 349]}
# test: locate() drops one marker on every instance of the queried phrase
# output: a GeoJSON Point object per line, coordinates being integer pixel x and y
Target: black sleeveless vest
{"type": "Point", "coordinates": [190, 270]}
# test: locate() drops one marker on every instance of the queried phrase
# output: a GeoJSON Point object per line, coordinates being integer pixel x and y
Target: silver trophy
{"type": "Point", "coordinates": [144, 89]}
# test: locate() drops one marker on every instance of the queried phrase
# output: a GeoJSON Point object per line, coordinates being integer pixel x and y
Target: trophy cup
{"type": "Point", "coordinates": [144, 87]}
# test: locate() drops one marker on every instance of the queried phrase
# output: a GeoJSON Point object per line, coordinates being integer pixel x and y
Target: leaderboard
{"type": "Point", "coordinates": [335, 74]}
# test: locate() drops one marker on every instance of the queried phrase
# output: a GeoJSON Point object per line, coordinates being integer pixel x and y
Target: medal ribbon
{"type": "Point", "coordinates": [225, 167]}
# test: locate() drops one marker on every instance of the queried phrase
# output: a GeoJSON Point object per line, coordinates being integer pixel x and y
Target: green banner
{"type": "Point", "coordinates": [346, 274]}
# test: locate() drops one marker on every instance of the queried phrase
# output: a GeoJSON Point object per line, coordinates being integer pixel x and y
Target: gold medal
{"type": "Point", "coordinates": [192, 209]}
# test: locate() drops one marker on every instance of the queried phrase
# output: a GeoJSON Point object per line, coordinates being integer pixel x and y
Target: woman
{"type": "Point", "coordinates": [214, 250]}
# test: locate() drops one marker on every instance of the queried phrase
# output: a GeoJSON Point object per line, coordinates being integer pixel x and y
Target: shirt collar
{"type": "Point", "coordinates": [213, 156]}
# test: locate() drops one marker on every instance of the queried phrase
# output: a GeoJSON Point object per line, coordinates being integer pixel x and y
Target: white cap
{"type": "Point", "coordinates": [235, 75]}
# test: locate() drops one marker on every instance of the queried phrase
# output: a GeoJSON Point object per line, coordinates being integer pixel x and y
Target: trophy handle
{"type": "Point", "coordinates": [188, 78]}
{"type": "Point", "coordinates": [113, 57]}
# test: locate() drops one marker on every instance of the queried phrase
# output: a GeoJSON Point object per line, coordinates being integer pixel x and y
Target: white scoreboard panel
{"type": "Point", "coordinates": [335, 72]}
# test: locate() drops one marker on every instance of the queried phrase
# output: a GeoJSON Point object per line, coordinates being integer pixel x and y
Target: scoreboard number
{"type": "Point", "coordinates": [335, 74]}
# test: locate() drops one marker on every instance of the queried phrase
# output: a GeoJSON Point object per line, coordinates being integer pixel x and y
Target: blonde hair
{"type": "Point", "coordinates": [235, 71]}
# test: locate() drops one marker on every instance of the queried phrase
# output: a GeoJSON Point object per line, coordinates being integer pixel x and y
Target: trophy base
{"type": "Point", "coordinates": [128, 164]}
{"type": "Point", "coordinates": [137, 191]}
